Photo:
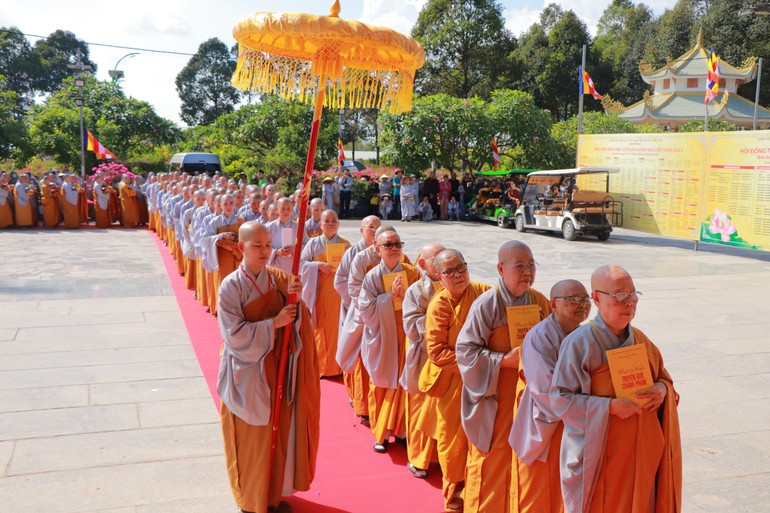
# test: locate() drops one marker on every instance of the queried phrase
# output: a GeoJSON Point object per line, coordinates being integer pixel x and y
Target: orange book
{"type": "Point", "coordinates": [334, 254]}
{"type": "Point", "coordinates": [388, 282]}
{"type": "Point", "coordinates": [630, 371]}
{"type": "Point", "coordinates": [520, 321]}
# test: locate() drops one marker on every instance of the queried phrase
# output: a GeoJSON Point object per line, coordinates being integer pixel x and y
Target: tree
{"type": "Point", "coordinates": [126, 126]}
{"type": "Point", "coordinates": [565, 133]}
{"type": "Point", "coordinates": [55, 53]}
{"type": "Point", "coordinates": [272, 134]}
{"type": "Point", "coordinates": [558, 81]}
{"type": "Point", "coordinates": [204, 84]}
{"type": "Point", "coordinates": [14, 139]}
{"type": "Point", "coordinates": [468, 50]}
{"type": "Point", "coordinates": [457, 133]}
{"type": "Point", "coordinates": [19, 65]}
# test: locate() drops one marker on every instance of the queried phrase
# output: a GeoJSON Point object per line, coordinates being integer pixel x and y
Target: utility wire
{"type": "Point", "coordinates": [168, 52]}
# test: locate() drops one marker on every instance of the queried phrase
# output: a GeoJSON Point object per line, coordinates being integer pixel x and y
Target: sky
{"type": "Point", "coordinates": [182, 25]}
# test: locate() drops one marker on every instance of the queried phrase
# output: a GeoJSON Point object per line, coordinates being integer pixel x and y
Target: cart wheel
{"type": "Point", "coordinates": [568, 230]}
{"type": "Point", "coordinates": [519, 221]}
{"type": "Point", "coordinates": [603, 235]}
{"type": "Point", "coordinates": [501, 222]}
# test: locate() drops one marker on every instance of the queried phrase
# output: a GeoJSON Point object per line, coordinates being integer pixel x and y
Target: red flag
{"type": "Point", "coordinates": [587, 85]}
{"type": "Point", "coordinates": [495, 154]}
{"type": "Point", "coordinates": [97, 147]}
{"type": "Point", "coordinates": [340, 152]}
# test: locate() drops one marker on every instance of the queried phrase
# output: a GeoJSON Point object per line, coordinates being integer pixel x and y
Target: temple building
{"type": "Point", "coordinates": [680, 89]}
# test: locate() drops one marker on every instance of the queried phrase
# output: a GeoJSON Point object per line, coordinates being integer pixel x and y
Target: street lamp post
{"type": "Point", "coordinates": [79, 101]}
{"type": "Point", "coordinates": [117, 74]}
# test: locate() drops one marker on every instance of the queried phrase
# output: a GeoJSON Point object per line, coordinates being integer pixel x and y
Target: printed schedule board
{"type": "Point", "coordinates": [712, 187]}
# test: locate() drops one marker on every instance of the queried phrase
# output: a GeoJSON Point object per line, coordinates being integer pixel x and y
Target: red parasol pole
{"type": "Point", "coordinates": [294, 298]}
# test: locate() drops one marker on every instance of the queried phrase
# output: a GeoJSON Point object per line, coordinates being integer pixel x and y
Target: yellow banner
{"type": "Point", "coordinates": [737, 199]}
{"type": "Point", "coordinates": [661, 182]}
{"type": "Point", "coordinates": [713, 187]}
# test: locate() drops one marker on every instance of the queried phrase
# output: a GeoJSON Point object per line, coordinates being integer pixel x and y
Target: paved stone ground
{"type": "Point", "coordinates": [103, 407]}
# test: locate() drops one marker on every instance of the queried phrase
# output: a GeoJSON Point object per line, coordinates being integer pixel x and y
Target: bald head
{"type": "Point", "coordinates": [368, 228]}
{"type": "Point", "coordinates": [315, 202]}
{"type": "Point", "coordinates": [445, 256]}
{"type": "Point", "coordinates": [250, 230]}
{"type": "Point", "coordinates": [382, 229]}
{"type": "Point", "coordinates": [427, 256]}
{"type": "Point", "coordinates": [606, 277]}
{"type": "Point", "coordinates": [567, 288]}
{"type": "Point", "coordinates": [510, 249]}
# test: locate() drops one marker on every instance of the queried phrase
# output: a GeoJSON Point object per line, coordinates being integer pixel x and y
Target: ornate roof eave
{"type": "Point", "coordinates": [747, 72]}
{"type": "Point", "coordinates": [722, 111]}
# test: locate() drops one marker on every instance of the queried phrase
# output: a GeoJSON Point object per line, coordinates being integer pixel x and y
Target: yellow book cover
{"type": "Point", "coordinates": [630, 371]}
{"type": "Point", "coordinates": [334, 254]}
{"type": "Point", "coordinates": [388, 282]}
{"type": "Point", "coordinates": [520, 321]}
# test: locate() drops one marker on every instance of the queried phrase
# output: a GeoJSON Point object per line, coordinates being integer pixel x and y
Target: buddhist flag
{"type": "Point", "coordinates": [94, 145]}
{"type": "Point", "coordinates": [340, 152]}
{"type": "Point", "coordinates": [712, 77]}
{"type": "Point", "coordinates": [495, 154]}
{"type": "Point", "coordinates": [587, 85]}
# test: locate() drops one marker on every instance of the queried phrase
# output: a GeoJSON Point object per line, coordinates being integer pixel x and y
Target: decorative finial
{"type": "Point", "coordinates": [699, 42]}
{"type": "Point", "coordinates": [334, 12]}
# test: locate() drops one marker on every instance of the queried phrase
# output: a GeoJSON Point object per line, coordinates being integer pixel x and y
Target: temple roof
{"type": "Point", "coordinates": [694, 63]}
{"type": "Point", "coordinates": [687, 106]}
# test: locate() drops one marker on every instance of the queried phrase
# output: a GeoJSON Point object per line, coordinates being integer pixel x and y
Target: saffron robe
{"type": "Point", "coordinates": [103, 205]}
{"type": "Point", "coordinates": [49, 197]}
{"type": "Point", "coordinates": [536, 433]}
{"type": "Point", "coordinates": [610, 464]}
{"type": "Point", "coordinates": [6, 212]}
{"type": "Point", "coordinates": [24, 204]}
{"type": "Point", "coordinates": [488, 396]}
{"type": "Point", "coordinates": [420, 408]}
{"type": "Point", "coordinates": [129, 207]}
{"type": "Point", "coordinates": [383, 350]}
{"type": "Point", "coordinates": [71, 205]}
{"type": "Point", "coordinates": [341, 286]}
{"type": "Point", "coordinates": [323, 301]}
{"type": "Point", "coordinates": [441, 379]}
{"type": "Point", "coordinates": [247, 385]}
{"type": "Point", "coordinates": [225, 253]}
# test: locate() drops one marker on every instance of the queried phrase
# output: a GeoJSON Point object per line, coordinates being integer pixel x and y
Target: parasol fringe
{"type": "Point", "coordinates": [295, 80]}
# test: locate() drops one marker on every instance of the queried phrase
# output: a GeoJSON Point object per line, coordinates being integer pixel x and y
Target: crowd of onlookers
{"type": "Point", "coordinates": [408, 198]}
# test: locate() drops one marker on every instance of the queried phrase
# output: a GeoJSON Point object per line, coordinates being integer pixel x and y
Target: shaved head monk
{"type": "Point", "coordinates": [536, 434]}
{"type": "Point", "coordinates": [616, 455]}
{"type": "Point", "coordinates": [320, 258]}
{"type": "Point", "coordinates": [447, 313]}
{"type": "Point", "coordinates": [420, 408]}
{"type": "Point", "coordinates": [253, 313]}
{"type": "Point", "coordinates": [488, 360]}
{"type": "Point", "coordinates": [368, 228]}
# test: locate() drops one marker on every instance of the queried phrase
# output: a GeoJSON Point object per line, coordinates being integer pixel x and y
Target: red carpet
{"type": "Point", "coordinates": [350, 476]}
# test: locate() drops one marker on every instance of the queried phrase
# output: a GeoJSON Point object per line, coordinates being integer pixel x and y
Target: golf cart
{"type": "Point", "coordinates": [551, 201]}
{"type": "Point", "coordinates": [494, 204]}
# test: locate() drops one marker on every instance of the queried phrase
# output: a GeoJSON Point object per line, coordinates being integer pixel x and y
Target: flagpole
{"type": "Point", "coordinates": [581, 93]}
{"type": "Point", "coordinates": [706, 118]}
{"type": "Point", "coordinates": [756, 96]}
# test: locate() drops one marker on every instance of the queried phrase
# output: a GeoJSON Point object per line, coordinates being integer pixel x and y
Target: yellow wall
{"type": "Point", "coordinates": [713, 187]}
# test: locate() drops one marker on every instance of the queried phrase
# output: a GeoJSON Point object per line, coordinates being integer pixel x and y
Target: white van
{"type": "Point", "coordinates": [195, 163]}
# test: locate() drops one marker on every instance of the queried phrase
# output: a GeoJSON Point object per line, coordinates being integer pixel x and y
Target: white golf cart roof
{"type": "Point", "coordinates": [576, 171]}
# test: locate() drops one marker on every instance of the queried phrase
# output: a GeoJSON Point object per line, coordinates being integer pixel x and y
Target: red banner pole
{"type": "Point", "coordinates": [294, 298]}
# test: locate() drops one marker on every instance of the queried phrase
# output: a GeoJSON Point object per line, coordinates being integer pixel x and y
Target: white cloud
{"type": "Point", "coordinates": [518, 21]}
{"type": "Point", "coordinates": [399, 15]}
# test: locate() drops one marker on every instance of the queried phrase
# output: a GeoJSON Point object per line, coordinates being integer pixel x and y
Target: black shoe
{"type": "Point", "coordinates": [365, 421]}
{"type": "Point", "coordinates": [401, 442]}
{"type": "Point", "coordinates": [381, 447]}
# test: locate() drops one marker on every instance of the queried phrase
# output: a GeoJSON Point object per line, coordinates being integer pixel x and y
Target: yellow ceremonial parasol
{"type": "Point", "coordinates": [328, 61]}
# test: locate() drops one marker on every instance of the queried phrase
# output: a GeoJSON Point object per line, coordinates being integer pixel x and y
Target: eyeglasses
{"type": "Point", "coordinates": [392, 245]}
{"type": "Point", "coordinates": [623, 297]}
{"type": "Point", "coordinates": [451, 273]}
{"type": "Point", "coordinates": [520, 268]}
{"type": "Point", "coordinates": [576, 300]}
